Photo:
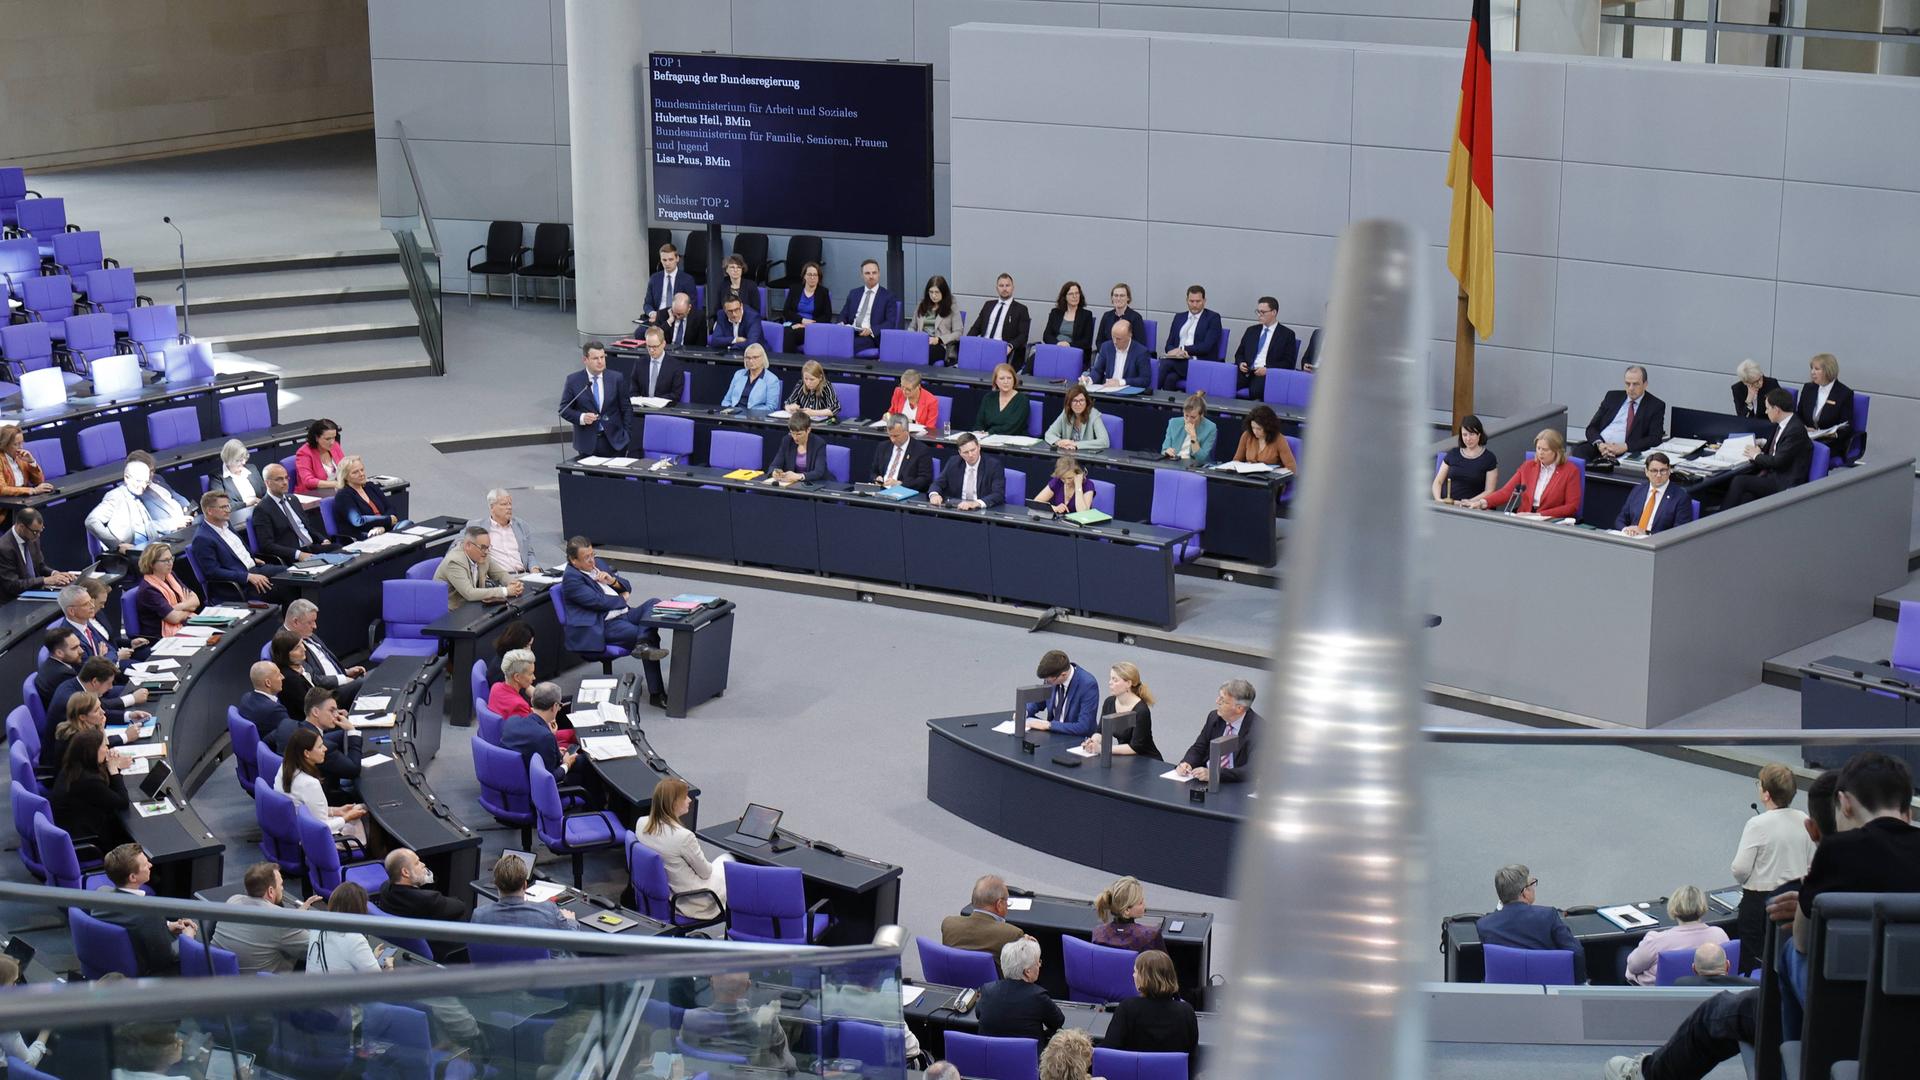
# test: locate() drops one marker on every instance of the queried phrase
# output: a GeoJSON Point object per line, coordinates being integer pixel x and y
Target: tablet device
{"type": "Point", "coordinates": [757, 825]}
{"type": "Point", "coordinates": [1727, 898]}
{"type": "Point", "coordinates": [156, 778]}
{"type": "Point", "coordinates": [22, 953]}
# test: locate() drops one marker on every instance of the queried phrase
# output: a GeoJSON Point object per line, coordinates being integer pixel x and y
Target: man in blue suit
{"type": "Point", "coordinates": [870, 308]}
{"type": "Point", "coordinates": [737, 328]}
{"type": "Point", "coordinates": [1657, 504]}
{"type": "Point", "coordinates": [1122, 361]}
{"type": "Point", "coordinates": [221, 556]}
{"type": "Point", "coordinates": [971, 480]}
{"type": "Point", "coordinates": [1074, 706]}
{"type": "Point", "coordinates": [261, 706]}
{"type": "Point", "coordinates": [598, 615]}
{"type": "Point", "coordinates": [661, 286]}
{"type": "Point", "coordinates": [1266, 344]}
{"type": "Point", "coordinates": [595, 401]}
{"type": "Point", "coordinates": [1522, 924]}
{"type": "Point", "coordinates": [1195, 334]}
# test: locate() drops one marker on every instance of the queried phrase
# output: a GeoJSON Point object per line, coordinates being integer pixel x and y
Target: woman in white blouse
{"type": "Point", "coordinates": [687, 867]}
{"type": "Point", "coordinates": [343, 950]}
{"type": "Point", "coordinates": [299, 780]}
{"type": "Point", "coordinates": [241, 481]}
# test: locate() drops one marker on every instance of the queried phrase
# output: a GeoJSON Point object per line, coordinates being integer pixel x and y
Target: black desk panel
{"type": "Point", "coordinates": [1050, 918]}
{"type": "Point", "coordinates": [23, 623]}
{"type": "Point", "coordinates": [859, 541]}
{"type": "Point", "coordinates": [469, 631]}
{"type": "Point", "coordinates": [1606, 945]}
{"type": "Point", "coordinates": [949, 553]}
{"type": "Point", "coordinates": [349, 594]}
{"type": "Point", "coordinates": [628, 782]}
{"type": "Point", "coordinates": [1842, 692]}
{"type": "Point", "coordinates": [399, 801]}
{"type": "Point", "coordinates": [771, 531]}
{"type": "Point", "coordinates": [130, 411]}
{"type": "Point", "coordinates": [689, 520]}
{"type": "Point", "coordinates": [931, 1016]}
{"type": "Point", "coordinates": [863, 893]}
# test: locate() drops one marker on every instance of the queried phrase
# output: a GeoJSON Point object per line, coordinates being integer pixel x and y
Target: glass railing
{"type": "Point", "coordinates": [420, 250]}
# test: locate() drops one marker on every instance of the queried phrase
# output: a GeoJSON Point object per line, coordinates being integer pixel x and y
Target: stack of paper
{"type": "Point", "coordinates": [421, 530]}
{"type": "Point", "coordinates": [645, 403]}
{"type": "Point", "coordinates": [1004, 727]}
{"type": "Point", "coordinates": [373, 720]}
{"type": "Point", "coordinates": [609, 747]}
{"type": "Point", "coordinates": [592, 460]}
{"type": "Point", "coordinates": [594, 691]}
{"type": "Point", "coordinates": [178, 645]}
{"type": "Point", "coordinates": [1009, 440]}
{"type": "Point", "coordinates": [609, 713]}
{"type": "Point", "coordinates": [143, 750]}
{"type": "Point", "coordinates": [371, 760]}
{"type": "Point", "coordinates": [916, 429]}
{"type": "Point", "coordinates": [226, 611]}
{"type": "Point", "coordinates": [622, 462]}
{"type": "Point", "coordinates": [540, 892]}
{"type": "Point", "coordinates": [1243, 467]}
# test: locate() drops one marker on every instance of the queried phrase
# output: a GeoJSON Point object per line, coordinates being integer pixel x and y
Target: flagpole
{"type": "Point", "coordinates": [1463, 336]}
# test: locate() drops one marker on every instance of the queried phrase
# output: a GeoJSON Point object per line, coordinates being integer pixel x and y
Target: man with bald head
{"type": "Point", "coordinates": [1710, 969]}
{"type": "Point", "coordinates": [122, 523]}
{"type": "Point", "coordinates": [280, 528]}
{"type": "Point", "coordinates": [261, 705]}
{"type": "Point", "coordinates": [985, 929]}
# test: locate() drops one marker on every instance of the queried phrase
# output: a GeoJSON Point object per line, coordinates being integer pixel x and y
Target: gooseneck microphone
{"type": "Point", "coordinates": [186, 314]}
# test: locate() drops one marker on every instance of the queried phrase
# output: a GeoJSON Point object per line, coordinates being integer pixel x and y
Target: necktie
{"type": "Point", "coordinates": [999, 313]}
{"type": "Point", "coordinates": [863, 318]}
{"type": "Point", "coordinates": [969, 489]}
{"type": "Point", "coordinates": [1226, 760]}
{"type": "Point", "coordinates": [93, 643]}
{"type": "Point", "coordinates": [26, 554]}
{"type": "Point", "coordinates": [653, 374]}
{"type": "Point", "coordinates": [1630, 410]}
{"type": "Point", "coordinates": [666, 290]}
{"type": "Point", "coordinates": [679, 331]}
{"type": "Point", "coordinates": [597, 402]}
{"type": "Point", "coordinates": [1646, 512]}
{"type": "Point", "coordinates": [1059, 698]}
{"type": "Point", "coordinates": [893, 466]}
{"type": "Point", "coordinates": [1260, 355]}
{"type": "Point", "coordinates": [293, 517]}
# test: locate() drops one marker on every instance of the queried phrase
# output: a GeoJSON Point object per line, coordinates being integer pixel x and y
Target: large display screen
{"type": "Point", "coordinates": [798, 145]}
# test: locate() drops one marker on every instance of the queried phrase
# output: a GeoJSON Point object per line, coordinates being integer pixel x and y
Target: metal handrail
{"type": "Point", "coordinates": [419, 193]}
{"type": "Point", "coordinates": [413, 263]}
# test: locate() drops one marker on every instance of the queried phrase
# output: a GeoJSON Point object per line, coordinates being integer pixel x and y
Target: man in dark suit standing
{"type": "Point", "coordinates": [1627, 421]}
{"type": "Point", "coordinates": [600, 613]}
{"type": "Point", "coordinates": [902, 461]}
{"type": "Point", "coordinates": [1006, 319]}
{"type": "Point", "coordinates": [261, 706]}
{"type": "Point", "coordinates": [595, 401]}
{"type": "Point", "coordinates": [1655, 505]}
{"type": "Point", "coordinates": [683, 323]}
{"type": "Point", "coordinates": [279, 525]}
{"type": "Point", "coordinates": [971, 480]}
{"type": "Point", "coordinates": [870, 308]}
{"type": "Point", "coordinates": [1266, 344]}
{"type": "Point", "coordinates": [1232, 715]}
{"type": "Point", "coordinates": [659, 373]}
{"type": "Point", "coordinates": [22, 566]}
{"type": "Point", "coordinates": [1785, 462]}
{"type": "Point", "coordinates": [1195, 334]}
{"type": "Point", "coordinates": [737, 328]}
{"type": "Point", "coordinates": [155, 950]}
{"type": "Point", "coordinates": [1522, 924]}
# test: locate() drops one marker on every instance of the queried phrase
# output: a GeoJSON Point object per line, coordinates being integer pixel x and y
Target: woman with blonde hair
{"type": "Point", "coordinates": [1826, 404]}
{"type": "Point", "coordinates": [1127, 694]}
{"type": "Point", "coordinates": [1547, 485]}
{"type": "Point", "coordinates": [1688, 906]}
{"type": "Point", "coordinates": [753, 388]}
{"type": "Point", "coordinates": [913, 401]}
{"type": "Point", "coordinates": [1003, 409]}
{"type": "Point", "coordinates": [1190, 436]}
{"type": "Point", "coordinates": [1069, 491]}
{"type": "Point", "coordinates": [1118, 909]}
{"type": "Point", "coordinates": [1068, 1056]}
{"type": "Point", "coordinates": [700, 887]}
{"type": "Point", "coordinates": [20, 473]}
{"type": "Point", "coordinates": [812, 394]}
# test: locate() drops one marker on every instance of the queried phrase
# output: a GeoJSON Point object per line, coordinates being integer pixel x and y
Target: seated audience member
{"type": "Point", "coordinates": [513, 909]}
{"type": "Point", "coordinates": [599, 614]}
{"type": "Point", "coordinates": [280, 526]}
{"type": "Point", "coordinates": [915, 401]}
{"type": "Point", "coordinates": [125, 647]}
{"type": "Point", "coordinates": [326, 672]}
{"type": "Point", "coordinates": [1193, 335]}
{"type": "Point", "coordinates": [660, 374]}
{"type": "Point", "coordinates": [754, 387]}
{"type": "Point", "coordinates": [123, 521]}
{"type": "Point", "coordinates": [240, 480]}
{"type": "Point", "coordinates": [683, 323]}
{"type": "Point", "coordinates": [1078, 427]}
{"type": "Point", "coordinates": [1469, 469]}
{"type": "Point", "coordinates": [812, 395]}
{"type": "Point", "coordinates": [1122, 297]}
{"type": "Point", "coordinates": [20, 472]}
{"type": "Point", "coordinates": [147, 1050]}
{"type": "Point", "coordinates": [1232, 715]}
{"type": "Point", "coordinates": [512, 545]}
{"type": "Point", "coordinates": [1262, 441]}
{"type": "Point", "coordinates": [223, 557]}
{"type": "Point", "coordinates": [363, 505]}
{"type": "Point", "coordinates": [162, 502]}
{"type": "Point", "coordinates": [1786, 462]}
{"type": "Point", "coordinates": [535, 733]}
{"type": "Point", "coordinates": [80, 610]}
{"type": "Point", "coordinates": [1005, 320]}
{"type": "Point", "coordinates": [316, 465]}
{"type": "Point", "coordinates": [1776, 846]}
{"type": "Point", "coordinates": [810, 303]}
{"type": "Point", "coordinates": [1014, 1005]}
{"type": "Point", "coordinates": [985, 928]}
{"type": "Point", "coordinates": [1190, 436]}
{"type": "Point", "coordinates": [870, 308]}
{"type": "Point", "coordinates": [64, 653]}
{"type": "Point", "coordinates": [1629, 421]}
{"type": "Point", "coordinates": [737, 328]}
{"type": "Point", "coordinates": [1547, 485]}
{"type": "Point", "coordinates": [1004, 410]}
{"type": "Point", "coordinates": [163, 603]}
{"type": "Point", "coordinates": [1268, 343]}
{"type": "Point", "coordinates": [508, 696]}
{"type": "Point", "coordinates": [517, 634]}
{"type": "Point", "coordinates": [1710, 969]}
{"type": "Point", "coordinates": [155, 952]}
{"type": "Point", "coordinates": [85, 701]}
{"type": "Point", "coordinates": [12, 1043]}
{"type": "Point", "coordinates": [471, 575]}
{"type": "Point", "coordinates": [1156, 1022]}
{"type": "Point", "coordinates": [1688, 906]}
{"type": "Point", "coordinates": [1067, 1056]}
{"type": "Point", "coordinates": [1119, 908]}
{"type": "Point", "coordinates": [339, 769]}
{"type": "Point", "coordinates": [1655, 504]}
{"type": "Point", "coordinates": [1121, 361]}
{"type": "Point", "coordinates": [1522, 924]}
{"type": "Point", "coordinates": [22, 564]}
{"type": "Point", "coordinates": [689, 871]}
{"type": "Point", "coordinates": [900, 460]}
{"type": "Point", "coordinates": [1127, 694]}
{"type": "Point", "coordinates": [261, 705]}
{"type": "Point", "coordinates": [943, 1070]}
{"type": "Point", "coordinates": [971, 480]}
{"type": "Point", "coordinates": [406, 894]}
{"type": "Point", "coordinates": [299, 779]}
{"type": "Point", "coordinates": [1070, 323]}
{"type": "Point", "coordinates": [330, 951]}
{"type": "Point", "coordinates": [729, 1025]}
{"type": "Point", "coordinates": [735, 282]}
{"type": "Point", "coordinates": [1069, 491]}
{"type": "Point", "coordinates": [801, 456]}
{"type": "Point", "coordinates": [663, 285]}
{"type": "Point", "coordinates": [1825, 405]}
{"type": "Point", "coordinates": [934, 316]}
{"type": "Point", "coordinates": [288, 654]}
{"type": "Point", "coordinates": [1070, 707]}
{"type": "Point", "coordinates": [260, 948]}
{"type": "Point", "coordinates": [89, 797]}
{"type": "Point", "coordinates": [1750, 390]}
{"type": "Point", "coordinates": [869, 990]}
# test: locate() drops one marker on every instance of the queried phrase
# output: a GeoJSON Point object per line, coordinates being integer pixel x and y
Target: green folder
{"type": "Point", "coordinates": [210, 620]}
{"type": "Point", "coordinates": [1089, 517]}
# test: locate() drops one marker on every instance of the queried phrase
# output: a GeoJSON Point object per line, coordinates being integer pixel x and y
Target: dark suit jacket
{"type": "Point", "coordinates": [723, 331]}
{"type": "Point", "coordinates": [1137, 369]}
{"type": "Point", "coordinates": [576, 398]}
{"type": "Point", "coordinates": [1839, 409]}
{"type": "Point", "coordinates": [341, 768]}
{"type": "Point", "coordinates": [992, 481]}
{"type": "Point", "coordinates": [748, 292]}
{"type": "Point", "coordinates": [218, 562]}
{"type": "Point", "coordinates": [527, 735]}
{"type": "Point", "coordinates": [1014, 329]}
{"type": "Point", "coordinates": [1206, 337]}
{"type": "Point", "coordinates": [413, 902]}
{"type": "Point", "coordinates": [1079, 335]}
{"type": "Point", "coordinates": [294, 685]}
{"type": "Point", "coordinates": [1138, 321]}
{"type": "Point", "coordinates": [46, 682]}
{"type": "Point", "coordinates": [14, 578]}
{"type": "Point", "coordinates": [786, 456]}
{"type": "Point", "coordinates": [1282, 351]}
{"type": "Point", "coordinates": [695, 335]}
{"type": "Point", "coordinates": [1532, 926]}
{"type": "Point", "coordinates": [1011, 1008]}
{"type": "Point", "coordinates": [822, 306]}
{"type": "Point", "coordinates": [916, 471]}
{"type": "Point", "coordinates": [1676, 507]}
{"type": "Point", "coordinates": [1649, 420]}
{"type": "Point", "coordinates": [275, 535]}
{"type": "Point", "coordinates": [92, 807]}
{"type": "Point", "coordinates": [1153, 1025]}
{"type": "Point", "coordinates": [978, 931]}
{"type": "Point", "coordinates": [587, 607]}
{"type": "Point", "coordinates": [1768, 384]}
{"type": "Point", "coordinates": [672, 369]}
{"type": "Point", "coordinates": [1792, 458]}
{"type": "Point", "coordinates": [263, 712]}
{"type": "Point", "coordinates": [886, 309]}
{"type": "Point", "coordinates": [115, 707]}
{"type": "Point", "coordinates": [154, 950]}
{"type": "Point", "coordinates": [657, 296]}
{"type": "Point", "coordinates": [1242, 768]}
{"type": "Point", "coordinates": [353, 514]}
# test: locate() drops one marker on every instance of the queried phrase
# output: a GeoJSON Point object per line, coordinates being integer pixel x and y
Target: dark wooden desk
{"type": "Point", "coordinates": [1606, 945]}
{"type": "Point", "coordinates": [702, 648]}
{"type": "Point", "coordinates": [349, 594]}
{"type": "Point", "coordinates": [931, 1016]}
{"type": "Point", "coordinates": [82, 410]}
{"type": "Point", "coordinates": [398, 799]}
{"type": "Point", "coordinates": [468, 632]}
{"type": "Point", "coordinates": [1844, 692]}
{"type": "Point", "coordinates": [1050, 918]}
{"type": "Point", "coordinates": [628, 782]}
{"type": "Point", "coordinates": [864, 893]}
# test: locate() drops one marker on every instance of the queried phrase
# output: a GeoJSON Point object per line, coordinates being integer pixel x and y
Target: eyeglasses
{"type": "Point", "coordinates": [1532, 882]}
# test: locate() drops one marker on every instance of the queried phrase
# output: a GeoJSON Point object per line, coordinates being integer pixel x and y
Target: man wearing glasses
{"type": "Point", "coordinates": [470, 576]}
{"type": "Point", "coordinates": [1657, 504]}
{"type": "Point", "coordinates": [22, 566]}
{"type": "Point", "coordinates": [1265, 344]}
{"type": "Point", "coordinates": [1522, 924]}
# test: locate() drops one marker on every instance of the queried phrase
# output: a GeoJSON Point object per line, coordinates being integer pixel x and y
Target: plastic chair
{"type": "Point", "coordinates": [647, 872]}
{"type": "Point", "coordinates": [736, 450]}
{"type": "Point", "coordinates": [1016, 487]}
{"type": "Point", "coordinates": [1180, 502]}
{"type": "Point", "coordinates": [548, 258]}
{"type": "Point", "coordinates": [19, 260]}
{"type": "Point", "coordinates": [37, 709]}
{"type": "Point", "coordinates": [242, 413]}
{"type": "Point", "coordinates": [112, 290]}
{"type": "Point", "coordinates": [51, 456]}
{"type": "Point", "coordinates": [325, 871]}
{"type": "Point", "coordinates": [154, 329]}
{"type": "Point", "coordinates": [1533, 967]}
{"type": "Point", "coordinates": [904, 347]}
{"type": "Point", "coordinates": [1000, 1058]}
{"type": "Point", "coordinates": [406, 607]}
{"type": "Point", "coordinates": [1218, 380]}
{"type": "Point", "coordinates": [245, 740]}
{"type": "Point", "coordinates": [29, 807]}
{"type": "Point", "coordinates": [882, 1048]}
{"type": "Point", "coordinates": [101, 946]}
{"type": "Point", "coordinates": [477, 679]}
{"type": "Point", "coordinates": [839, 463]}
{"type": "Point", "coordinates": [13, 188]}
{"type": "Point", "coordinates": [1285, 386]}
{"type": "Point", "coordinates": [1892, 1010]}
{"type": "Point", "coordinates": [41, 219]}
{"type": "Point", "coordinates": [486, 952]}
{"type": "Point", "coordinates": [946, 412]}
{"type": "Point", "coordinates": [1822, 462]}
{"type": "Point", "coordinates": [768, 904]}
{"type": "Point", "coordinates": [565, 833]}
{"type": "Point", "coordinates": [411, 944]}
{"type": "Point", "coordinates": [504, 793]}
{"type": "Point", "coordinates": [313, 1041]}
{"type": "Point", "coordinates": [1676, 963]}
{"type": "Point", "coordinates": [102, 444]}
{"type": "Point", "coordinates": [606, 656]}
{"type": "Point", "coordinates": [169, 428]}
{"type": "Point", "coordinates": [802, 248]}
{"type": "Point", "coordinates": [200, 961]}
{"type": "Point", "coordinates": [423, 570]}
{"type": "Point", "coordinates": [89, 339]}
{"type": "Point", "coordinates": [1134, 1065]}
{"type": "Point", "coordinates": [1097, 973]}
{"type": "Point", "coordinates": [667, 436]}
{"type": "Point", "coordinates": [503, 256]}
{"type": "Point", "coordinates": [848, 395]}
{"type": "Point", "coordinates": [266, 762]}
{"type": "Point", "coordinates": [487, 724]}
{"type": "Point", "coordinates": [1058, 362]}
{"type": "Point", "coordinates": [982, 353]}
{"type": "Point", "coordinates": [20, 1070]}
{"type": "Point", "coordinates": [949, 966]}
{"type": "Point", "coordinates": [1857, 435]}
{"type": "Point", "coordinates": [20, 768]}
{"type": "Point", "coordinates": [279, 829]}
{"type": "Point", "coordinates": [830, 340]}
{"type": "Point", "coordinates": [22, 734]}
{"type": "Point", "coordinates": [62, 859]}
{"type": "Point", "coordinates": [1103, 496]}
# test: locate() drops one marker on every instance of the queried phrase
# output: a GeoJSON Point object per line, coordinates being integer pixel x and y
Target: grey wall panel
{"type": "Point", "coordinates": [502, 31]}
{"type": "Point", "coordinates": [485, 181]}
{"type": "Point", "coordinates": [690, 25]}
{"type": "Point", "coordinates": [1390, 31]}
{"type": "Point", "coordinates": [1050, 168]}
{"type": "Point", "coordinates": [562, 116]}
{"type": "Point", "coordinates": [824, 29]}
{"type": "Point", "coordinates": [1581, 381]}
{"type": "Point", "coordinates": [1187, 20]}
{"type": "Point", "coordinates": [1411, 9]}
{"type": "Point", "coordinates": [1249, 5]}
{"type": "Point", "coordinates": [1893, 425]}
{"type": "Point", "coordinates": [563, 172]}
{"type": "Point", "coordinates": [942, 120]}
{"type": "Point", "coordinates": [1855, 131]}
{"type": "Point", "coordinates": [1411, 99]}
{"type": "Point", "coordinates": [1873, 334]}
{"type": "Point", "coordinates": [472, 102]}
{"type": "Point", "coordinates": [1858, 238]}
{"type": "Point", "coordinates": [1047, 249]}
{"type": "Point", "coordinates": [390, 181]}
{"type": "Point", "coordinates": [1410, 185]}
{"type": "Point", "coordinates": [557, 20]}
{"type": "Point", "coordinates": [942, 206]}
{"type": "Point", "coordinates": [1278, 90]}
{"type": "Point", "coordinates": [1523, 290]}
{"type": "Point", "coordinates": [1237, 266]}
{"type": "Point", "coordinates": [933, 18]}
{"type": "Point", "coordinates": [1245, 183]}
{"type": "Point", "coordinates": [1701, 321]}
{"type": "Point", "coordinates": [1504, 381]}
{"type": "Point", "coordinates": [1094, 78]}
{"type": "Point", "coordinates": [1674, 220]}
{"type": "Point", "coordinates": [1676, 116]}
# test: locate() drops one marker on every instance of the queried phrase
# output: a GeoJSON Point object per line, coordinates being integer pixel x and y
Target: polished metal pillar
{"type": "Point", "coordinates": [1330, 866]}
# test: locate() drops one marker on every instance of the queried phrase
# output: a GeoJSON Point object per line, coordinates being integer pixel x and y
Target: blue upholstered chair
{"type": "Point", "coordinates": [1097, 973]}
{"type": "Point", "coordinates": [1541, 967]}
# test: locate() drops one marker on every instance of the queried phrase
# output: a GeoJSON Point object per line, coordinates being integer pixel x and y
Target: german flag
{"type": "Point", "coordinates": [1470, 175]}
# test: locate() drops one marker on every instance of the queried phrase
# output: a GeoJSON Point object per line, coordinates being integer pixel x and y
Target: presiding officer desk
{"type": "Point", "coordinates": [1118, 568]}
{"type": "Point", "coordinates": [1665, 623]}
{"type": "Point", "coordinates": [1605, 944]}
{"type": "Point", "coordinates": [1126, 819]}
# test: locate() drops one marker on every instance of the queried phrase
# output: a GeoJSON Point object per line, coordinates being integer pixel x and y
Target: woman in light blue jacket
{"type": "Point", "coordinates": [754, 388]}
{"type": "Point", "coordinates": [1190, 436]}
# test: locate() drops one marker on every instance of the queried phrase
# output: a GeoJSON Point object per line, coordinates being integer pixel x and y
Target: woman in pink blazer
{"type": "Point", "coordinates": [1688, 906]}
{"type": "Point", "coordinates": [316, 466]}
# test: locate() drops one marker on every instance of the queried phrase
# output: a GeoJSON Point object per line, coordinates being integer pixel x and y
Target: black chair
{"type": "Point", "coordinates": [656, 239]}
{"type": "Point", "coordinates": [552, 253]}
{"type": "Point", "coordinates": [503, 250]}
{"type": "Point", "coordinates": [1311, 354]}
{"type": "Point", "coordinates": [1892, 1012]}
{"type": "Point", "coordinates": [752, 247]}
{"type": "Point", "coordinates": [1840, 946]}
{"type": "Point", "coordinates": [693, 257]}
{"type": "Point", "coordinates": [801, 250]}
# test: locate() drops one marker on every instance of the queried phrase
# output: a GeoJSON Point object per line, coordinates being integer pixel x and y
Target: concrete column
{"type": "Point", "coordinates": [1560, 26]}
{"type": "Point", "coordinates": [606, 67]}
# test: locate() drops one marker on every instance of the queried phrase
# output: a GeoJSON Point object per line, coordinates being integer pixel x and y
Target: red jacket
{"type": "Point", "coordinates": [1561, 499]}
{"type": "Point", "coordinates": [926, 411]}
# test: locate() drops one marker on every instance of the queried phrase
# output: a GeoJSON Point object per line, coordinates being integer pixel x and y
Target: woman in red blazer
{"type": "Point", "coordinates": [1561, 495]}
{"type": "Point", "coordinates": [316, 465]}
{"type": "Point", "coordinates": [915, 401]}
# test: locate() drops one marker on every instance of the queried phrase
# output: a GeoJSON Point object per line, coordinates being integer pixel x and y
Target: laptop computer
{"type": "Point", "coordinates": [22, 953]}
{"type": "Point", "coordinates": [526, 859]}
{"type": "Point", "coordinates": [757, 826]}
{"type": "Point", "coordinates": [155, 781]}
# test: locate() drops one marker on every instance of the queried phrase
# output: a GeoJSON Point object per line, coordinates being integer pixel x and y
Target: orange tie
{"type": "Point", "coordinates": [1646, 512]}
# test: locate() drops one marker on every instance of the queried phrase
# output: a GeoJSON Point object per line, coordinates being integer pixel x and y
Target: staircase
{"type": "Point", "coordinates": [321, 318]}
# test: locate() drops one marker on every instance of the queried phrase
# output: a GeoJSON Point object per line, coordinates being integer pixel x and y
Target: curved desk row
{"type": "Point", "coordinates": [349, 594]}
{"type": "Point", "coordinates": [1125, 819]}
{"type": "Point", "coordinates": [402, 805]}
{"type": "Point", "coordinates": [1605, 944]}
{"type": "Point", "coordinates": [1122, 569]}
{"type": "Point", "coordinates": [467, 634]}
{"type": "Point", "coordinates": [81, 411]}
{"type": "Point", "coordinates": [932, 1014]}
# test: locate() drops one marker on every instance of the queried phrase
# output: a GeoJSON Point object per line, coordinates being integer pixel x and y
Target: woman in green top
{"type": "Point", "coordinates": [1004, 410]}
{"type": "Point", "coordinates": [1079, 427]}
